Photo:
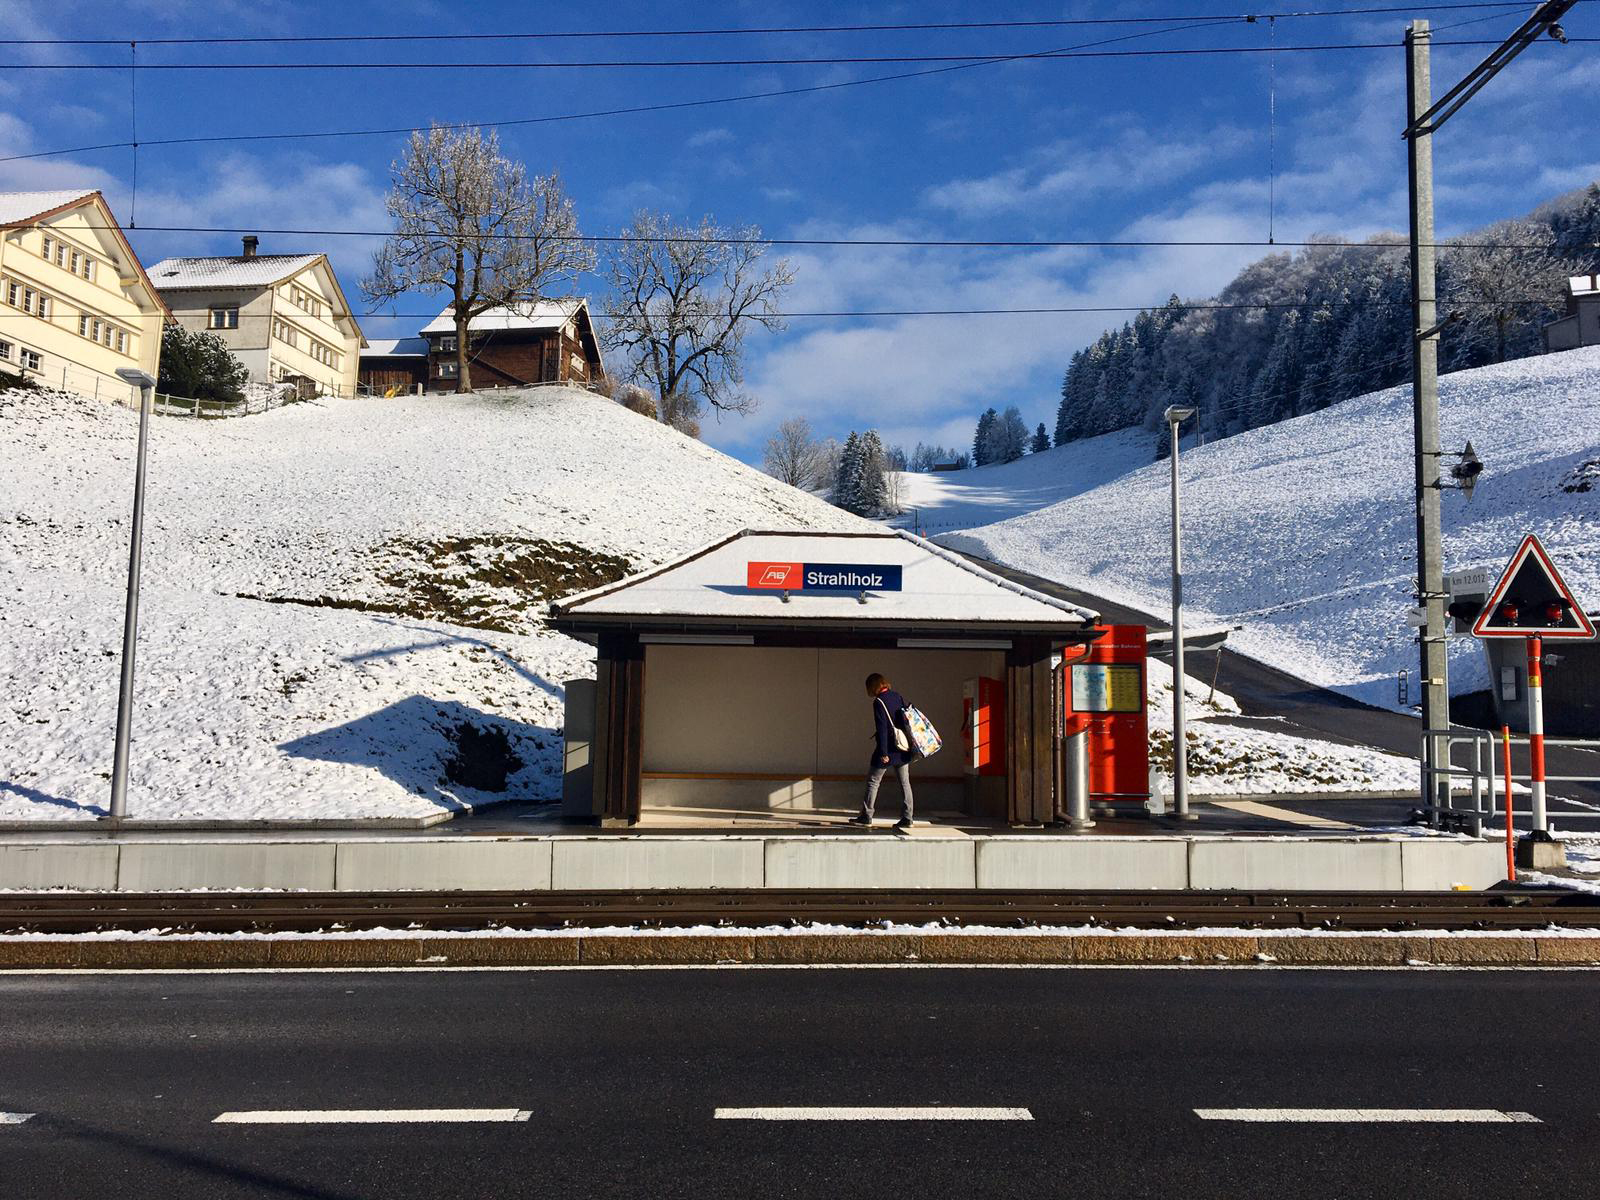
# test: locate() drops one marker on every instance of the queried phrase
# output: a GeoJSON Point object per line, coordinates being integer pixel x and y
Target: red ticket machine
{"type": "Point", "coordinates": [1102, 693]}
{"type": "Point", "coordinates": [983, 745]}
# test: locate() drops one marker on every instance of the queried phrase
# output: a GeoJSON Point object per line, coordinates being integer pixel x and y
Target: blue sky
{"type": "Point", "coordinates": [1173, 148]}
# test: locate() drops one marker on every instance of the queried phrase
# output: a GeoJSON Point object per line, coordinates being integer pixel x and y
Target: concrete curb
{"type": "Point", "coordinates": [666, 949]}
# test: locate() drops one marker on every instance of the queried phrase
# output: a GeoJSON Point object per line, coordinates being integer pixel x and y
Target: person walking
{"type": "Point", "coordinates": [889, 751]}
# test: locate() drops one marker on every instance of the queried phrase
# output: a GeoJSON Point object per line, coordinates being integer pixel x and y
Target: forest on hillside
{"type": "Point", "coordinates": [1296, 332]}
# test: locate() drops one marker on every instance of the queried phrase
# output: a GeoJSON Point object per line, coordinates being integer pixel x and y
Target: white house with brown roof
{"type": "Point", "coordinates": [284, 316]}
{"type": "Point", "coordinates": [75, 303]}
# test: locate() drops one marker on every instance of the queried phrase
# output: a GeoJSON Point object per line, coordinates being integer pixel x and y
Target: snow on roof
{"type": "Point", "coordinates": [236, 270]}
{"type": "Point", "coordinates": [407, 347]}
{"type": "Point", "coordinates": [1583, 285]}
{"type": "Point", "coordinates": [16, 207]}
{"type": "Point", "coordinates": [938, 586]}
{"type": "Point", "coordinates": [546, 314]}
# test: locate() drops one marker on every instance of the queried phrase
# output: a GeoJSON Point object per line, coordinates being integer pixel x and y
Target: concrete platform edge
{"type": "Point", "coordinates": [796, 949]}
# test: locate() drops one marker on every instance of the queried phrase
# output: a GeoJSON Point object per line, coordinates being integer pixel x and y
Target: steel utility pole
{"type": "Point", "coordinates": [1176, 416]}
{"type": "Point", "coordinates": [1425, 393]}
{"type": "Point", "coordinates": [130, 621]}
{"type": "Point", "coordinates": [1423, 118]}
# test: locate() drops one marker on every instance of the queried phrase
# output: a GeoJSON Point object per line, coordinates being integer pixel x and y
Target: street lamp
{"type": "Point", "coordinates": [1177, 415]}
{"type": "Point", "coordinates": [130, 622]}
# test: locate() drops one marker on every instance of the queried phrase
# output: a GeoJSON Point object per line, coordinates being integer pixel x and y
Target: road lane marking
{"type": "Point", "coordinates": [1254, 808]}
{"type": "Point", "coordinates": [1460, 1116]}
{"type": "Point", "coordinates": [929, 1113]}
{"type": "Point", "coordinates": [371, 1116]}
{"type": "Point", "coordinates": [13, 1118]}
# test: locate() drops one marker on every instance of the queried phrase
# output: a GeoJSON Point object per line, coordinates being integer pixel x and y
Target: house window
{"type": "Point", "coordinates": [447, 370]}
{"type": "Point", "coordinates": [284, 332]}
{"type": "Point", "coordinates": [28, 300]}
{"type": "Point", "coordinates": [447, 344]}
{"type": "Point", "coordinates": [49, 247]}
{"type": "Point", "coordinates": [77, 263]}
{"type": "Point", "coordinates": [88, 268]}
{"type": "Point", "coordinates": [5, 350]}
{"type": "Point", "coordinates": [122, 342]}
{"type": "Point", "coordinates": [83, 325]}
{"type": "Point", "coordinates": [225, 318]}
{"type": "Point", "coordinates": [30, 360]}
{"type": "Point", "coordinates": [61, 255]}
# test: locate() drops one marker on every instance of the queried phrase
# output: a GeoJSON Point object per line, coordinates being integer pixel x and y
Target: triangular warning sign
{"type": "Point", "coordinates": [1532, 600]}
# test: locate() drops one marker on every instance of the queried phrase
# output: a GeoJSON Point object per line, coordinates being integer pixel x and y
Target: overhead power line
{"type": "Point", "coordinates": [819, 243]}
{"type": "Point", "coordinates": [793, 61]}
{"type": "Point", "coordinates": [1052, 310]}
{"type": "Point", "coordinates": [626, 110]}
{"type": "Point", "coordinates": [768, 30]}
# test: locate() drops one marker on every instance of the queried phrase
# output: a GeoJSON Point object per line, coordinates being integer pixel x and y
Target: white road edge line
{"type": "Point", "coordinates": [927, 1113]}
{"type": "Point", "coordinates": [14, 1118]}
{"type": "Point", "coordinates": [371, 1116]}
{"type": "Point", "coordinates": [1364, 1116]}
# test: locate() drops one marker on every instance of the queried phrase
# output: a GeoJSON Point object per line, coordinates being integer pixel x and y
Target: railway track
{"type": "Point", "coordinates": [220, 912]}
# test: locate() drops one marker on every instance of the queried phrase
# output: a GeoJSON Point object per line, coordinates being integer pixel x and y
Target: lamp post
{"type": "Point", "coordinates": [1177, 415]}
{"type": "Point", "coordinates": [130, 622]}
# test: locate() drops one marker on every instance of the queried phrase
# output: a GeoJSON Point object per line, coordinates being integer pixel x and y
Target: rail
{"type": "Point", "coordinates": [1477, 777]}
{"type": "Point", "coordinates": [1498, 908]}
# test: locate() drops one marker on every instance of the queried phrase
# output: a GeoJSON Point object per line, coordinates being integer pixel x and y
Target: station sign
{"type": "Point", "coordinates": [822, 577]}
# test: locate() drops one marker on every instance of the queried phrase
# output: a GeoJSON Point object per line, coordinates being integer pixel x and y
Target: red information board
{"type": "Point", "coordinates": [1103, 692]}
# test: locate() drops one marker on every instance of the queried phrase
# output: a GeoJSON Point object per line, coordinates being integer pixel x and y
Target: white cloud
{"type": "Point", "coordinates": [709, 137]}
{"type": "Point", "coordinates": [32, 174]}
{"type": "Point", "coordinates": [1113, 159]}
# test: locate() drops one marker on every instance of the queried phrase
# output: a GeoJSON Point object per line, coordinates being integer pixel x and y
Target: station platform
{"type": "Point", "coordinates": [1345, 845]}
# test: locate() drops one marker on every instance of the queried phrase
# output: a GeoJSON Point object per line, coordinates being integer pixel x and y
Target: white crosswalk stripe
{"type": "Point", "coordinates": [371, 1116]}
{"type": "Point", "coordinates": [1365, 1116]}
{"type": "Point", "coordinates": [926, 1113]}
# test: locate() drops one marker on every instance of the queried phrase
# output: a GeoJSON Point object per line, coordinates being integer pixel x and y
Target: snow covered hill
{"type": "Point", "coordinates": [342, 600]}
{"type": "Point", "coordinates": [1303, 531]}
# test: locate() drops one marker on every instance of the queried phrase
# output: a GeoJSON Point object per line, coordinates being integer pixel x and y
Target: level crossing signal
{"type": "Point", "coordinates": [1532, 600]}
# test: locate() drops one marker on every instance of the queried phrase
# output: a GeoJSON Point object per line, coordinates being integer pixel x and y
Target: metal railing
{"type": "Point", "coordinates": [1463, 777]}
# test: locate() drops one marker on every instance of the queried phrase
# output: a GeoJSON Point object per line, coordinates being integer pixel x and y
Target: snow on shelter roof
{"type": "Point", "coordinates": [406, 347]}
{"type": "Point", "coordinates": [545, 314]}
{"type": "Point", "coordinates": [939, 587]}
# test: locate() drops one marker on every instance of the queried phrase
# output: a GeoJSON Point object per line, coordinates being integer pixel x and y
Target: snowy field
{"type": "Point", "coordinates": [342, 602]}
{"type": "Point", "coordinates": [1302, 532]}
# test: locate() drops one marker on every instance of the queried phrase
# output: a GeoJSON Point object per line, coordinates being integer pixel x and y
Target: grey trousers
{"type": "Point", "coordinates": [875, 779]}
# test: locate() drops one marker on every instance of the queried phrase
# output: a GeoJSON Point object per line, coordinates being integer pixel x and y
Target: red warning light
{"type": "Point", "coordinates": [1509, 612]}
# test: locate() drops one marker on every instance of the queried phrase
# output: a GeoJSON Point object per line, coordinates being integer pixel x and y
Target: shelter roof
{"type": "Point", "coordinates": [939, 588]}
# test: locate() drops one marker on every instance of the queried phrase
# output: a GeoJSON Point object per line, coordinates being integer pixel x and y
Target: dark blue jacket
{"type": "Point", "coordinates": [883, 742]}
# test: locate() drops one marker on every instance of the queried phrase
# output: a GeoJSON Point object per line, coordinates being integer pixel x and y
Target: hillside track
{"type": "Point", "coordinates": [224, 912]}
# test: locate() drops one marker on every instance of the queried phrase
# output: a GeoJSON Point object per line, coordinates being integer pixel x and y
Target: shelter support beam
{"type": "Point", "coordinates": [619, 729]}
{"type": "Point", "coordinates": [1030, 748]}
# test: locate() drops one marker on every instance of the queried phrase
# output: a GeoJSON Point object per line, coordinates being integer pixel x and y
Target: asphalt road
{"type": "Point", "coordinates": [621, 1072]}
{"type": "Point", "coordinates": [1273, 699]}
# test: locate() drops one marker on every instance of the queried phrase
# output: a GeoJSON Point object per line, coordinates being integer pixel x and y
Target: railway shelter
{"type": "Point", "coordinates": [732, 680]}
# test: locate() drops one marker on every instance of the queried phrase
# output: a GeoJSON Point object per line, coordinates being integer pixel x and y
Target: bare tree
{"type": "Point", "coordinates": [476, 224]}
{"type": "Point", "coordinates": [794, 455]}
{"type": "Point", "coordinates": [682, 301]}
{"type": "Point", "coordinates": [1505, 280]}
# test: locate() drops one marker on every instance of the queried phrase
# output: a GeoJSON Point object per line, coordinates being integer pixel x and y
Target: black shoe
{"type": "Point", "coordinates": [904, 823]}
{"type": "Point", "coordinates": [867, 821]}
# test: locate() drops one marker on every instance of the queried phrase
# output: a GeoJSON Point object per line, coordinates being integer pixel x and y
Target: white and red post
{"type": "Point", "coordinates": [1536, 737]}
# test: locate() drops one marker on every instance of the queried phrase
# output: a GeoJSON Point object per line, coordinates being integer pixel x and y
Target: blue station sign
{"type": "Point", "coordinates": [823, 577]}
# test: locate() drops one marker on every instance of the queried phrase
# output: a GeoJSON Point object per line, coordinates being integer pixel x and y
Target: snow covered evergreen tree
{"type": "Point", "coordinates": [980, 441]}
{"type": "Point", "coordinates": [872, 492]}
{"type": "Point", "coordinates": [847, 479]}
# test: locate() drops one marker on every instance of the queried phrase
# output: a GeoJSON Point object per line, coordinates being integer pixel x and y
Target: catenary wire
{"type": "Point", "coordinates": [818, 61]}
{"type": "Point", "coordinates": [887, 243]}
{"type": "Point", "coordinates": [627, 110]}
{"type": "Point", "coordinates": [900, 27]}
